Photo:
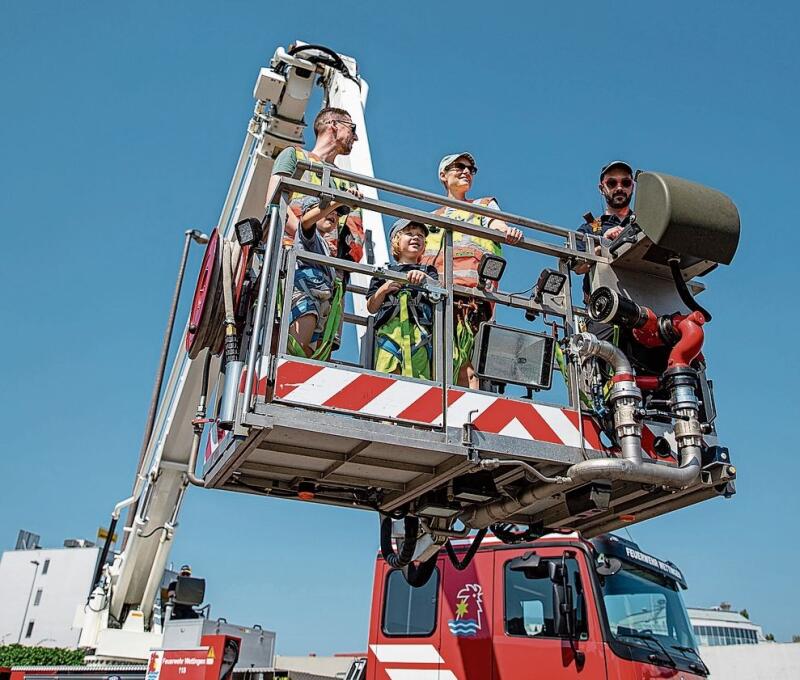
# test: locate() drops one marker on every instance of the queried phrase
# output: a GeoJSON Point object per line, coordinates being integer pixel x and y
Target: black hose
{"type": "Point", "coordinates": [98, 572]}
{"type": "Point", "coordinates": [683, 289]}
{"type": "Point", "coordinates": [398, 560]}
{"type": "Point", "coordinates": [418, 576]}
{"type": "Point", "coordinates": [334, 60]}
{"type": "Point", "coordinates": [507, 535]}
{"type": "Point", "coordinates": [473, 548]}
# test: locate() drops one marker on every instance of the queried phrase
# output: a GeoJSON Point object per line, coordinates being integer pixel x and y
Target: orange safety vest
{"type": "Point", "coordinates": [467, 250]}
{"type": "Point", "coordinates": [351, 228]}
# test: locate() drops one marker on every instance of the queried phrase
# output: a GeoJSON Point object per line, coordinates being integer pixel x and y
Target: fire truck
{"type": "Point", "coordinates": [625, 432]}
{"type": "Point", "coordinates": [557, 607]}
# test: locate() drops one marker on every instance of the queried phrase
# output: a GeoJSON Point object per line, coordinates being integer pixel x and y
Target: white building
{"type": "Point", "coordinates": [40, 591]}
{"type": "Point", "coordinates": [720, 626]}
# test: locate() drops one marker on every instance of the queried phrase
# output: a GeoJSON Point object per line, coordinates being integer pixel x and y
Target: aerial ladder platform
{"type": "Point", "coordinates": [567, 430]}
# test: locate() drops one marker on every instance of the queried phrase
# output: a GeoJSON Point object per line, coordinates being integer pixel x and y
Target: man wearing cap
{"type": "Point", "coordinates": [404, 315]}
{"type": "Point", "coordinates": [616, 186]}
{"type": "Point", "coordinates": [456, 173]}
{"type": "Point", "coordinates": [181, 611]}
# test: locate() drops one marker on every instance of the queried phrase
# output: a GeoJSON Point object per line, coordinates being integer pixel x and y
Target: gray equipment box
{"type": "Point", "coordinates": [257, 649]}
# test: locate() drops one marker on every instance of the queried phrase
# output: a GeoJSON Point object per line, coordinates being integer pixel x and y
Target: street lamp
{"type": "Point", "coordinates": [28, 604]}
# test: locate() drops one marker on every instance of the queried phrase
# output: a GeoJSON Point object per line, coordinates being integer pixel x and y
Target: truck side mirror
{"type": "Point", "coordinates": [608, 566]}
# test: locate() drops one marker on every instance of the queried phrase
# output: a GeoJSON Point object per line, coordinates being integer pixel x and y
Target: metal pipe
{"type": "Point", "coordinates": [449, 533]}
{"type": "Point", "coordinates": [189, 236]}
{"type": "Point", "coordinates": [439, 199]}
{"type": "Point", "coordinates": [30, 594]}
{"type": "Point", "coordinates": [493, 463]}
{"type": "Point", "coordinates": [396, 210]}
{"type": "Point", "coordinates": [197, 424]}
{"type": "Point", "coordinates": [626, 400]}
{"type": "Point", "coordinates": [257, 321]}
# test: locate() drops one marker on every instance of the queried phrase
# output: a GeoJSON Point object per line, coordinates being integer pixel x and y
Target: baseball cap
{"type": "Point", "coordinates": [186, 567]}
{"type": "Point", "coordinates": [615, 164]}
{"type": "Point", "coordinates": [401, 224]}
{"type": "Point", "coordinates": [451, 157]}
{"type": "Point", "coordinates": [307, 202]}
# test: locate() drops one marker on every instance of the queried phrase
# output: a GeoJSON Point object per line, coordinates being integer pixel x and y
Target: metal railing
{"type": "Point", "coordinates": [279, 265]}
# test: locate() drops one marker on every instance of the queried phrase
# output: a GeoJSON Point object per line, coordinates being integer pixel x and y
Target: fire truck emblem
{"type": "Point", "coordinates": [469, 607]}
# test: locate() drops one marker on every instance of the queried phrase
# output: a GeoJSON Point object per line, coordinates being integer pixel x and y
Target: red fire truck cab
{"type": "Point", "coordinates": [557, 607]}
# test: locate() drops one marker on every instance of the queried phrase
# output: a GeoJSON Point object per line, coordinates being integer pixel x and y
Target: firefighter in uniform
{"type": "Point", "coordinates": [456, 173]}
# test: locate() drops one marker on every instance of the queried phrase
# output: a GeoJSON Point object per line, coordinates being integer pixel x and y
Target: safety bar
{"type": "Point", "coordinates": [429, 197]}
{"type": "Point", "coordinates": [280, 265]}
{"type": "Point", "coordinates": [396, 210]}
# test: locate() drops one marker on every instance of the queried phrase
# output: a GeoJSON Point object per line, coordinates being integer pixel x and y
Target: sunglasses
{"type": "Point", "coordinates": [463, 166]}
{"type": "Point", "coordinates": [612, 182]}
{"type": "Point", "coordinates": [352, 126]}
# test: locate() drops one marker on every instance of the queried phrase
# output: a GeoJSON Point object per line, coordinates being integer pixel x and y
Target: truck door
{"type": "Point", "coordinates": [526, 643]}
{"type": "Point", "coordinates": [465, 620]}
{"type": "Point", "coordinates": [404, 630]}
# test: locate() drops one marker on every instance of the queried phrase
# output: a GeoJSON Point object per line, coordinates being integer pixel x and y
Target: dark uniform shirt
{"type": "Point", "coordinates": [598, 228]}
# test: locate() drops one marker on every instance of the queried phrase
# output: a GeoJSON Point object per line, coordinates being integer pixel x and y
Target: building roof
{"type": "Point", "coordinates": [697, 613]}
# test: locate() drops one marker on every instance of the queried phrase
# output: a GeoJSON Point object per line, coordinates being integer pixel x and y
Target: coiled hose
{"type": "Point", "coordinates": [683, 289]}
{"type": "Point", "coordinates": [473, 548]}
{"type": "Point", "coordinates": [394, 559]}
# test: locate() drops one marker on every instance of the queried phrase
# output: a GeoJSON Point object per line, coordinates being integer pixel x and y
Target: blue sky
{"type": "Point", "coordinates": [120, 127]}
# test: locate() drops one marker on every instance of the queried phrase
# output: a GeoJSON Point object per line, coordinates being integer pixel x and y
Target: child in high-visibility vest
{"type": "Point", "coordinates": [404, 315]}
{"type": "Point", "coordinates": [316, 301]}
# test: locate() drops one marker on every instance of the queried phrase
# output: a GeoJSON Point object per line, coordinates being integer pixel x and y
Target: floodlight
{"type": "Point", "coordinates": [491, 268]}
{"type": "Point", "coordinates": [249, 232]}
{"type": "Point", "coordinates": [551, 282]}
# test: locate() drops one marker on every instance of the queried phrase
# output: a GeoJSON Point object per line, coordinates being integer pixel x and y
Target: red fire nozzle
{"type": "Point", "coordinates": [690, 328]}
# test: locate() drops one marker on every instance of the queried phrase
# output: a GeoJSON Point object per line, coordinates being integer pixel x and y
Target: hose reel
{"type": "Point", "coordinates": [207, 314]}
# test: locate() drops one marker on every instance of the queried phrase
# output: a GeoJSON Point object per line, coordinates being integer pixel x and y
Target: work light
{"type": "Point", "coordinates": [249, 232]}
{"type": "Point", "coordinates": [491, 268]}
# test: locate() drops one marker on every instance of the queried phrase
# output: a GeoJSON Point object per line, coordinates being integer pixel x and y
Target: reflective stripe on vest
{"type": "Point", "coordinates": [350, 224]}
{"type": "Point", "coordinates": [467, 250]}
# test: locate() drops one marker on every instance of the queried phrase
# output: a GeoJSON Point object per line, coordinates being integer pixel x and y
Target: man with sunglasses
{"type": "Point", "coordinates": [616, 186]}
{"type": "Point", "coordinates": [335, 135]}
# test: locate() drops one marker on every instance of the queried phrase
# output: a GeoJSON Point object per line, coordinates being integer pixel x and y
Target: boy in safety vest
{"type": "Point", "coordinates": [456, 173]}
{"type": "Point", "coordinates": [404, 316]}
{"type": "Point", "coordinates": [316, 299]}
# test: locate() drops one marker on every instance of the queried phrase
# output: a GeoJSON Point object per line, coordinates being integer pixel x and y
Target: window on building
{"type": "Point", "coordinates": [529, 601]}
{"type": "Point", "coordinates": [408, 611]}
{"type": "Point", "coordinates": [45, 567]}
{"type": "Point", "coordinates": [37, 598]}
{"type": "Point", "coordinates": [29, 631]}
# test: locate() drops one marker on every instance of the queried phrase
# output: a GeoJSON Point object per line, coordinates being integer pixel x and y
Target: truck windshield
{"type": "Point", "coordinates": [646, 609]}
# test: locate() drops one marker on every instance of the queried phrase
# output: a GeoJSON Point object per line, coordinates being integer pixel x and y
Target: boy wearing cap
{"type": "Point", "coordinates": [316, 299]}
{"type": "Point", "coordinates": [456, 173]}
{"type": "Point", "coordinates": [404, 316]}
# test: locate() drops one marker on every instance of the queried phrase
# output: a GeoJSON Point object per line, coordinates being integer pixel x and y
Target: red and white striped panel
{"type": "Point", "coordinates": [386, 396]}
{"type": "Point", "coordinates": [342, 389]}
